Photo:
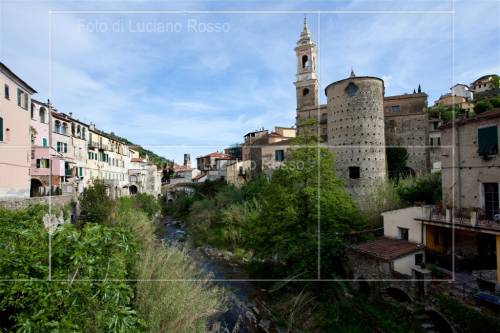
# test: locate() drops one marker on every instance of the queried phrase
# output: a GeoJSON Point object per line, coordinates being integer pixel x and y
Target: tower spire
{"type": "Point", "coordinates": [305, 35]}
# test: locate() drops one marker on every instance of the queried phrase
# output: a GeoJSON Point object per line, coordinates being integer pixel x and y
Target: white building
{"type": "Point", "coordinates": [462, 90]}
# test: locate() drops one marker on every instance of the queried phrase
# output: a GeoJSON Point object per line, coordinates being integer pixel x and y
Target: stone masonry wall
{"type": "Point", "coordinates": [56, 201]}
{"type": "Point", "coordinates": [356, 132]}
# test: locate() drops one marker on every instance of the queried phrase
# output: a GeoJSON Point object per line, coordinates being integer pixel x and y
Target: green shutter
{"type": "Point", "coordinates": [488, 141]}
{"type": "Point", "coordinates": [44, 142]}
{"type": "Point", "coordinates": [1, 129]}
{"type": "Point", "coordinates": [18, 97]}
{"type": "Point", "coordinates": [26, 101]}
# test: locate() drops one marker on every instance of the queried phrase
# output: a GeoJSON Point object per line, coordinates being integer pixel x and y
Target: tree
{"type": "Point", "coordinates": [95, 204]}
{"type": "Point", "coordinates": [495, 101]}
{"type": "Point", "coordinates": [302, 195]}
{"type": "Point", "coordinates": [425, 189]}
{"type": "Point", "coordinates": [397, 157]}
{"type": "Point", "coordinates": [495, 81]}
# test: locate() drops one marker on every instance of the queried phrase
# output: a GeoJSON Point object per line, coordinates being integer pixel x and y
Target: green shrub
{"type": "Point", "coordinates": [465, 318]}
{"type": "Point", "coordinates": [95, 204]}
{"type": "Point", "coordinates": [383, 198]}
{"type": "Point", "coordinates": [73, 301]}
{"type": "Point", "coordinates": [179, 207]}
{"type": "Point", "coordinates": [91, 270]}
{"type": "Point", "coordinates": [424, 189]}
{"type": "Point", "coordinates": [147, 203]}
{"type": "Point", "coordinates": [483, 106]}
{"type": "Point", "coordinates": [495, 101]}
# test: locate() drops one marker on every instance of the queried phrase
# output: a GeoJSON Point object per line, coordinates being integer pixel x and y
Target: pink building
{"type": "Point", "coordinates": [41, 153]}
{"type": "Point", "coordinates": [15, 145]}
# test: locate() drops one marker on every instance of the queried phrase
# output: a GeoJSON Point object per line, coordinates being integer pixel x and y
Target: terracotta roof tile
{"type": "Point", "coordinates": [387, 249]}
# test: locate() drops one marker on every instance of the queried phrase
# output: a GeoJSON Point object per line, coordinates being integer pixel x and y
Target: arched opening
{"type": "Point", "coordinates": [398, 294]}
{"type": "Point", "coordinates": [305, 92]}
{"type": "Point", "coordinates": [36, 188]}
{"type": "Point", "coordinates": [363, 286]}
{"type": "Point", "coordinates": [441, 324]}
{"type": "Point", "coordinates": [64, 128]}
{"type": "Point", "coordinates": [41, 114]}
{"type": "Point", "coordinates": [305, 61]}
{"type": "Point", "coordinates": [133, 189]}
{"type": "Point", "coordinates": [57, 126]}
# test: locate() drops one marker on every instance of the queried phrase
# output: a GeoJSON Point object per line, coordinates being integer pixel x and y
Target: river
{"type": "Point", "coordinates": [247, 311]}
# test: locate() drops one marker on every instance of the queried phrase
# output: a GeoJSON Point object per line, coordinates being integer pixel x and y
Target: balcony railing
{"type": "Point", "coordinates": [93, 144]}
{"type": "Point", "coordinates": [476, 217]}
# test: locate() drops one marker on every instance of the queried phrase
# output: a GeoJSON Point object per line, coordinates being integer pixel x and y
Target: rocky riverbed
{"type": "Point", "coordinates": [247, 310]}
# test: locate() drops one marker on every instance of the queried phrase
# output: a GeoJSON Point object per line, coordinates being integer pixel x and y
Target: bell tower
{"type": "Point", "coordinates": [306, 84]}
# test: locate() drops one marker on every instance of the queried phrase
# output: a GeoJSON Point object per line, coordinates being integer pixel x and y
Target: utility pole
{"type": "Point", "coordinates": [50, 151]}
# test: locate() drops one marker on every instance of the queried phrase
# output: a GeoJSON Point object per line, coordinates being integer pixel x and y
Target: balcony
{"type": "Point", "coordinates": [471, 219]}
{"type": "Point", "coordinates": [93, 144]}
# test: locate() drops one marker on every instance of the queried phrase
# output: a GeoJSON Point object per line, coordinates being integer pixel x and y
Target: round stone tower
{"type": "Point", "coordinates": [356, 132]}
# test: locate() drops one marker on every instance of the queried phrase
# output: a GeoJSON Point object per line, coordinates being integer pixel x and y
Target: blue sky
{"type": "Point", "coordinates": [185, 90]}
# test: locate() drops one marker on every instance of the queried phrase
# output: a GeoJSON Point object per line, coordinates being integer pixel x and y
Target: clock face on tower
{"type": "Point", "coordinates": [351, 89]}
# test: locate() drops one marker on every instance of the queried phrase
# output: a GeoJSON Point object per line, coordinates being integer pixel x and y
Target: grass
{"type": "Point", "coordinates": [169, 306]}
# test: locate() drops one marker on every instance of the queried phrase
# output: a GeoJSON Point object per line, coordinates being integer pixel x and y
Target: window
{"type": "Point", "coordinates": [351, 89]}
{"type": "Point", "coordinates": [305, 61]}
{"type": "Point", "coordinates": [419, 259]}
{"type": "Point", "coordinates": [403, 233]}
{"type": "Point", "coordinates": [6, 92]}
{"type": "Point", "coordinates": [44, 142]}
{"type": "Point", "coordinates": [64, 129]}
{"type": "Point", "coordinates": [57, 126]}
{"type": "Point", "coordinates": [32, 110]}
{"type": "Point", "coordinates": [491, 202]}
{"type": "Point", "coordinates": [62, 147]}
{"type": "Point", "coordinates": [1, 129]}
{"type": "Point", "coordinates": [279, 155]}
{"type": "Point", "coordinates": [435, 141]}
{"type": "Point", "coordinates": [395, 108]}
{"type": "Point", "coordinates": [354, 172]}
{"type": "Point", "coordinates": [41, 114]}
{"type": "Point", "coordinates": [22, 99]}
{"type": "Point", "coordinates": [42, 163]}
{"type": "Point", "coordinates": [305, 92]}
{"type": "Point", "coordinates": [487, 141]}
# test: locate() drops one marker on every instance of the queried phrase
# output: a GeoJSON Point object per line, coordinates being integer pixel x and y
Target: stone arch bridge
{"type": "Point", "coordinates": [169, 192]}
